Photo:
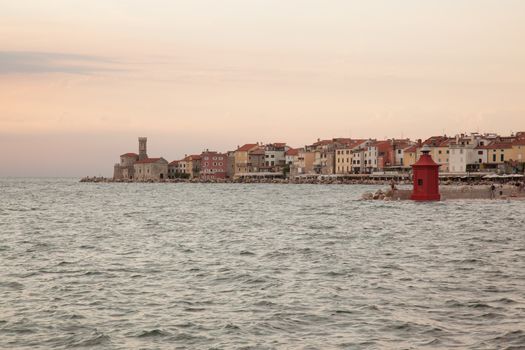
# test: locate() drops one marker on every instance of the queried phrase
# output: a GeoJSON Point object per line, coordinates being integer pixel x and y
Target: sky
{"type": "Point", "coordinates": [81, 80]}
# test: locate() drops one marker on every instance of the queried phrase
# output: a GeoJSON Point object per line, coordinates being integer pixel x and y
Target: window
{"type": "Point", "coordinates": [480, 152]}
{"type": "Point", "coordinates": [493, 157]}
{"type": "Point", "coordinates": [439, 151]}
{"type": "Point", "coordinates": [447, 151]}
{"type": "Point", "coordinates": [502, 157]}
{"type": "Point", "coordinates": [420, 182]}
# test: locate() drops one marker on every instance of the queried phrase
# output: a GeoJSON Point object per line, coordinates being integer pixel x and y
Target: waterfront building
{"type": "Point", "coordinates": [518, 150]}
{"type": "Point", "coordinates": [242, 161]}
{"type": "Point", "coordinates": [370, 156]}
{"type": "Point", "coordinates": [303, 164]}
{"type": "Point", "coordinates": [384, 151]}
{"type": "Point", "coordinates": [275, 156]}
{"type": "Point", "coordinates": [230, 167]}
{"type": "Point", "coordinates": [397, 156]}
{"type": "Point", "coordinates": [291, 156]}
{"type": "Point", "coordinates": [213, 165]}
{"type": "Point", "coordinates": [151, 169]}
{"type": "Point", "coordinates": [257, 161]}
{"type": "Point", "coordinates": [344, 156]}
{"type": "Point", "coordinates": [173, 170]}
{"type": "Point", "coordinates": [361, 157]}
{"type": "Point", "coordinates": [498, 152]}
{"type": "Point", "coordinates": [191, 165]}
{"type": "Point", "coordinates": [467, 153]}
{"type": "Point", "coordinates": [410, 155]}
{"type": "Point", "coordinates": [125, 170]}
{"type": "Point", "coordinates": [325, 154]}
{"type": "Point", "coordinates": [439, 150]}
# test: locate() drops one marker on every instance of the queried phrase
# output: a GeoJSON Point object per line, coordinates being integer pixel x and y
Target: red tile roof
{"type": "Point", "coordinates": [343, 140]}
{"type": "Point", "coordinates": [519, 142]}
{"type": "Point", "coordinates": [148, 160]}
{"type": "Point", "coordinates": [257, 151]}
{"type": "Point", "coordinates": [350, 143]}
{"type": "Point", "coordinates": [247, 147]}
{"type": "Point", "coordinates": [446, 142]}
{"type": "Point", "coordinates": [434, 141]}
{"type": "Point", "coordinates": [175, 162]}
{"type": "Point", "coordinates": [191, 157]}
{"type": "Point", "coordinates": [292, 152]}
{"type": "Point", "coordinates": [131, 155]}
{"type": "Point", "coordinates": [322, 143]}
{"type": "Point", "coordinates": [411, 149]}
{"type": "Point", "coordinates": [381, 143]}
{"type": "Point", "coordinates": [496, 145]}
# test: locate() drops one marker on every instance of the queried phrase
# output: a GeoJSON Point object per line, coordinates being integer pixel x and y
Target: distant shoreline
{"type": "Point", "coordinates": [295, 181]}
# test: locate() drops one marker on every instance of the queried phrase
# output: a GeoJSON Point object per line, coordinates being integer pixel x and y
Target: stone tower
{"type": "Point", "coordinates": [143, 154]}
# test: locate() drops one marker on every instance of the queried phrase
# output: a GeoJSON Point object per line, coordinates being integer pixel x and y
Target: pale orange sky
{"type": "Point", "coordinates": [81, 80]}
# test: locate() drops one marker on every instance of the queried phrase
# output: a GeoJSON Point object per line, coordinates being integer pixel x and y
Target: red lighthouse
{"type": "Point", "coordinates": [426, 178]}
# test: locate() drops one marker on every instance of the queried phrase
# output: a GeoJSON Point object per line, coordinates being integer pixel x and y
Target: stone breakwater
{"type": "Point", "coordinates": [448, 192]}
{"type": "Point", "coordinates": [463, 187]}
{"type": "Point", "coordinates": [321, 181]}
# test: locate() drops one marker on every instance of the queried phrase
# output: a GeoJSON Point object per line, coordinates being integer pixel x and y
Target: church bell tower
{"type": "Point", "coordinates": [143, 154]}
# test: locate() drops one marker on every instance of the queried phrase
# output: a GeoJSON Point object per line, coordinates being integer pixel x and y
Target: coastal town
{"type": "Point", "coordinates": [463, 156]}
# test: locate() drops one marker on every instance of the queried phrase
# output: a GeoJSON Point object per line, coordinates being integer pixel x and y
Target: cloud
{"type": "Point", "coordinates": [31, 62]}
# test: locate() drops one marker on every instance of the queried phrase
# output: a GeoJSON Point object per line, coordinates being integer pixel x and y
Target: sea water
{"type": "Point", "coordinates": [255, 266]}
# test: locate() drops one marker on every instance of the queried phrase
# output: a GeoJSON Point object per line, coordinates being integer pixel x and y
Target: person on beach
{"type": "Point", "coordinates": [392, 185]}
{"type": "Point", "coordinates": [492, 191]}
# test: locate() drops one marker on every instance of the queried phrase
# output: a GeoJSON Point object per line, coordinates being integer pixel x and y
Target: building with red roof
{"type": "Point", "coordinates": [151, 169]}
{"type": "Point", "coordinates": [242, 160]}
{"type": "Point", "coordinates": [213, 165]}
{"type": "Point", "coordinates": [345, 153]}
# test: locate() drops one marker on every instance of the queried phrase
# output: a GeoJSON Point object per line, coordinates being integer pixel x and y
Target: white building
{"type": "Point", "coordinates": [467, 153]}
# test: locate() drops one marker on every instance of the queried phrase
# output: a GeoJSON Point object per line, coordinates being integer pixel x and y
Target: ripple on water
{"type": "Point", "coordinates": [197, 266]}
